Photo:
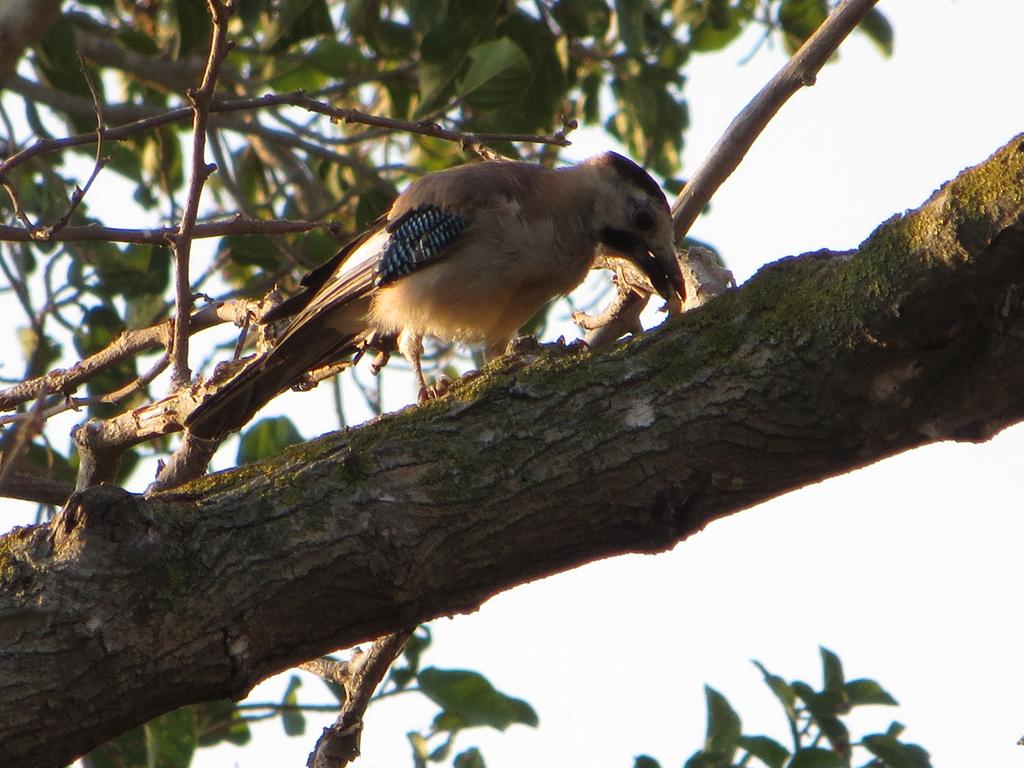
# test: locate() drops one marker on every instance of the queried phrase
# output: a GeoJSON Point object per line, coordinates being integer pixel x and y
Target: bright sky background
{"type": "Point", "coordinates": [910, 569]}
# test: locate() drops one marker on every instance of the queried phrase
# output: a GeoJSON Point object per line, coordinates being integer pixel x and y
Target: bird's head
{"type": "Point", "coordinates": [633, 220]}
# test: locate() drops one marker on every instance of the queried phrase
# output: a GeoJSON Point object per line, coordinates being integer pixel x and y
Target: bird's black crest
{"type": "Point", "coordinates": [418, 237]}
{"type": "Point", "coordinates": [633, 173]}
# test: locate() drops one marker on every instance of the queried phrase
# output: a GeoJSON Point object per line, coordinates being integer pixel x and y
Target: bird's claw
{"type": "Point", "coordinates": [439, 388]}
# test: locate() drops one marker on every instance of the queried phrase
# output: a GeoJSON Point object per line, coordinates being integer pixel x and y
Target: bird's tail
{"type": "Point", "coordinates": [233, 405]}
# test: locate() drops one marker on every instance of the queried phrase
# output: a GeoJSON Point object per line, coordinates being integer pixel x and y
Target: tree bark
{"type": "Point", "coordinates": [126, 607]}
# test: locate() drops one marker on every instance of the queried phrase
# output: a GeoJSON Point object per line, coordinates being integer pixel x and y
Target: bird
{"type": "Point", "coordinates": [469, 254]}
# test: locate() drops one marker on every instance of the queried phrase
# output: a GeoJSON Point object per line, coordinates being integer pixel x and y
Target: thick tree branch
{"type": "Point", "coordinates": [818, 365]}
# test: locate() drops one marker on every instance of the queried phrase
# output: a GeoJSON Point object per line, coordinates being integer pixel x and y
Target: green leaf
{"type": "Point", "coordinates": [420, 640]}
{"type": "Point", "coordinates": [765, 749]}
{"type": "Point", "coordinates": [48, 463]}
{"type": "Point", "coordinates": [293, 720]}
{"type": "Point", "coordinates": [722, 23]}
{"type": "Point", "coordinates": [59, 66]}
{"type": "Point", "coordinates": [423, 14]}
{"type": "Point", "coordinates": [782, 690]}
{"type": "Point", "coordinates": [651, 118]}
{"type": "Point", "coordinates": [250, 251]}
{"type": "Point", "coordinates": [630, 15]}
{"type": "Point", "coordinates": [502, 67]}
{"type": "Point", "coordinates": [832, 670]}
{"type": "Point", "coordinates": [878, 29]}
{"type": "Point", "coordinates": [471, 758]}
{"type": "Point", "coordinates": [100, 326]}
{"type": "Point", "coordinates": [134, 271]}
{"type": "Point", "coordinates": [863, 691]}
{"type": "Point", "coordinates": [468, 699]}
{"type": "Point", "coordinates": [218, 721]}
{"type": "Point", "coordinates": [171, 739]}
{"type": "Point", "coordinates": [41, 350]}
{"type": "Point", "coordinates": [702, 759]}
{"type": "Point", "coordinates": [645, 761]}
{"type": "Point", "coordinates": [799, 19]}
{"type": "Point", "coordinates": [266, 438]}
{"type": "Point", "coordinates": [723, 725]}
{"type": "Point", "coordinates": [837, 734]}
{"type": "Point", "coordinates": [895, 729]}
{"type": "Point", "coordinates": [393, 40]}
{"type": "Point", "coordinates": [443, 52]}
{"type": "Point", "coordinates": [195, 30]}
{"type": "Point", "coordinates": [895, 753]}
{"type": "Point", "coordinates": [144, 310]}
{"type": "Point", "coordinates": [816, 757]}
{"type": "Point", "coordinates": [249, 11]}
{"type": "Point", "coordinates": [584, 18]}
{"type": "Point", "coordinates": [128, 750]}
{"type": "Point", "coordinates": [297, 20]}
{"type": "Point", "coordinates": [337, 59]}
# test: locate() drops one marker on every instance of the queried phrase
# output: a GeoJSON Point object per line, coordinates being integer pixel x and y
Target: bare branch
{"type": "Point", "coordinates": [801, 70]}
{"type": "Point", "coordinates": [236, 225]}
{"type": "Point", "coordinates": [18, 439]}
{"type": "Point", "coordinates": [220, 10]}
{"type": "Point", "coordinates": [40, 490]}
{"type": "Point", "coordinates": [127, 345]}
{"type": "Point", "coordinates": [339, 744]}
{"type": "Point", "coordinates": [80, 192]}
{"type": "Point", "coordinates": [298, 98]}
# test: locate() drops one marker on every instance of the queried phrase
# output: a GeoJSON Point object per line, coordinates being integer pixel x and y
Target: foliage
{"type": "Point", "coordinates": [465, 700]}
{"type": "Point", "coordinates": [819, 737]}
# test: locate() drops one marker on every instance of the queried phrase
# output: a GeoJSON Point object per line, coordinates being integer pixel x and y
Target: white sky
{"type": "Point", "coordinates": [909, 569]}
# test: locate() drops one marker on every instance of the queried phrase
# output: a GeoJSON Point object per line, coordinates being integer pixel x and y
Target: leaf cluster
{"type": "Point", "coordinates": [820, 738]}
{"type": "Point", "coordinates": [465, 698]}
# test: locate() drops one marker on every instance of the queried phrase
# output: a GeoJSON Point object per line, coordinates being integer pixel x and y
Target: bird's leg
{"type": "Point", "coordinates": [410, 344]}
{"type": "Point", "coordinates": [379, 361]}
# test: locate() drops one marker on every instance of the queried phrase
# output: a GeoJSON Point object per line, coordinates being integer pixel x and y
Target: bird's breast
{"type": "Point", "coordinates": [483, 291]}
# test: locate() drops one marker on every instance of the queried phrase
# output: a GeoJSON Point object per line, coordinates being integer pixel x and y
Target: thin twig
{"type": "Point", "coordinates": [128, 344]}
{"type": "Point", "coordinates": [730, 150]}
{"type": "Point", "coordinates": [18, 439]}
{"type": "Point", "coordinates": [19, 210]}
{"type": "Point", "coordinates": [80, 192]}
{"type": "Point", "coordinates": [296, 98]}
{"type": "Point", "coordinates": [236, 225]}
{"type": "Point", "coordinates": [220, 10]}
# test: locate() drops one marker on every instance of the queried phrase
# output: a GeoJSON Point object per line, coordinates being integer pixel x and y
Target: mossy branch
{"type": "Point", "coordinates": [818, 365]}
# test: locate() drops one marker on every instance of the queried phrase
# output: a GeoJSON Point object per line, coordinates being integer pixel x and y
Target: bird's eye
{"type": "Point", "coordinates": [643, 219]}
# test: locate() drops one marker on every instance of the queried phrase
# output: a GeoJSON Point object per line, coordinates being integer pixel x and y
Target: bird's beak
{"type": "Point", "coordinates": [669, 283]}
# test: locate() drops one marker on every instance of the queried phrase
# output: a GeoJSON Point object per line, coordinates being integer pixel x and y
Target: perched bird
{"type": "Point", "coordinates": [470, 253]}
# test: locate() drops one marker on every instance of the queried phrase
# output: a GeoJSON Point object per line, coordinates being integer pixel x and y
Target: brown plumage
{"type": "Point", "coordinates": [469, 254]}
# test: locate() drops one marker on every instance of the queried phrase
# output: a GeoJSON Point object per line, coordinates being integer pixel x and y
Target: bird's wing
{"type": "Point", "coordinates": [426, 223]}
